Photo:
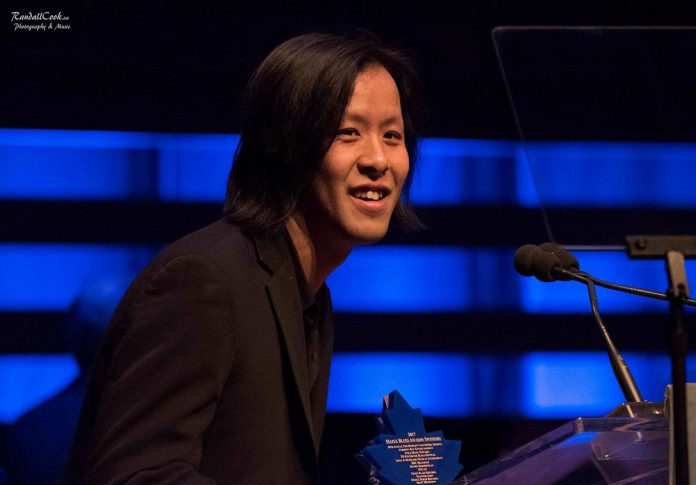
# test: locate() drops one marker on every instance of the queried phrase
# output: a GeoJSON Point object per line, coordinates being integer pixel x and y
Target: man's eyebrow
{"type": "Point", "coordinates": [356, 117]}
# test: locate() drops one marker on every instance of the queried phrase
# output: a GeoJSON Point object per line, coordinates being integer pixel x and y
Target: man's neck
{"type": "Point", "coordinates": [318, 256]}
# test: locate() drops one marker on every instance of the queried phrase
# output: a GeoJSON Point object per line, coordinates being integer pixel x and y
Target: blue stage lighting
{"type": "Point", "coordinates": [62, 164]}
{"type": "Point", "coordinates": [454, 172]}
{"type": "Point", "coordinates": [614, 174]}
{"type": "Point", "coordinates": [439, 384]}
{"type": "Point", "coordinates": [403, 279]}
{"type": "Point", "coordinates": [537, 385]}
{"type": "Point", "coordinates": [381, 278]}
{"type": "Point", "coordinates": [28, 380]}
{"type": "Point", "coordinates": [194, 168]}
{"type": "Point", "coordinates": [569, 384]}
{"type": "Point", "coordinates": [48, 277]}
{"type": "Point", "coordinates": [65, 164]}
{"type": "Point", "coordinates": [573, 384]}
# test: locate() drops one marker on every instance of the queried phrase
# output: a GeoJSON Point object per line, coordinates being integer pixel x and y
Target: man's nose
{"type": "Point", "coordinates": [373, 161]}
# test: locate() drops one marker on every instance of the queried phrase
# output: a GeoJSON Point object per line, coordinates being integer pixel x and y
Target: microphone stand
{"type": "Point", "coordinates": [618, 365]}
{"type": "Point", "coordinates": [675, 249]}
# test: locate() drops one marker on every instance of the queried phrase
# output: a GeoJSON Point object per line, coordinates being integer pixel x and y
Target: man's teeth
{"type": "Point", "coordinates": [369, 195]}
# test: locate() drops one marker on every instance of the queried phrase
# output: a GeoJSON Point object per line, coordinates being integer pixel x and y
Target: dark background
{"type": "Point", "coordinates": [181, 67]}
{"type": "Point", "coordinates": [176, 66]}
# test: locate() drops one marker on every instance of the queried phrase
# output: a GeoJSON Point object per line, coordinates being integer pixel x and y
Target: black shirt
{"type": "Point", "coordinates": [310, 315]}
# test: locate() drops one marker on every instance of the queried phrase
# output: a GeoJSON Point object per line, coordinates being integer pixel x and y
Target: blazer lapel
{"type": "Point", "coordinates": [284, 296]}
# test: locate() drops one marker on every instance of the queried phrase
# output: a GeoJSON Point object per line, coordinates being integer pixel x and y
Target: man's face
{"type": "Point", "coordinates": [357, 186]}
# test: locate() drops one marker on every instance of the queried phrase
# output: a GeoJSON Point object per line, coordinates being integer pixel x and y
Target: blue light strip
{"type": "Point", "coordinates": [380, 278]}
{"type": "Point", "coordinates": [437, 383]}
{"type": "Point", "coordinates": [403, 279]}
{"type": "Point", "coordinates": [400, 279]}
{"type": "Point", "coordinates": [613, 174]}
{"type": "Point", "coordinates": [28, 380]}
{"type": "Point", "coordinates": [72, 173]}
{"type": "Point", "coordinates": [48, 277]}
{"type": "Point", "coordinates": [570, 384]}
{"type": "Point", "coordinates": [453, 172]}
{"type": "Point", "coordinates": [538, 385]}
{"type": "Point", "coordinates": [194, 168]}
{"type": "Point", "coordinates": [62, 164]}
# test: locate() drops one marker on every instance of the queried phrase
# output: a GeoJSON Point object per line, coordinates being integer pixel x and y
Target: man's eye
{"type": "Point", "coordinates": [393, 135]}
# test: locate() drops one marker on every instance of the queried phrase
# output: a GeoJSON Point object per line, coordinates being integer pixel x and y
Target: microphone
{"type": "Point", "coordinates": [546, 262]}
{"type": "Point", "coordinates": [568, 260]}
{"type": "Point", "coordinates": [569, 269]}
{"type": "Point", "coordinates": [531, 260]}
{"type": "Point", "coordinates": [550, 262]}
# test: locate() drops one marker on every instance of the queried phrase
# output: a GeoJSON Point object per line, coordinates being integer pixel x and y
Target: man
{"type": "Point", "coordinates": [215, 366]}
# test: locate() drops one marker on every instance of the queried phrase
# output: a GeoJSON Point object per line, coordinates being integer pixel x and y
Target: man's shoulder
{"type": "Point", "coordinates": [219, 232]}
{"type": "Point", "coordinates": [222, 242]}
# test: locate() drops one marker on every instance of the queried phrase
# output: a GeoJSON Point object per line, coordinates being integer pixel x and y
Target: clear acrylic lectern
{"type": "Point", "coordinates": [586, 451]}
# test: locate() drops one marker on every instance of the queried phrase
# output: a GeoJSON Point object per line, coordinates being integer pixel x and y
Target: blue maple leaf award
{"type": "Point", "coordinates": [403, 453]}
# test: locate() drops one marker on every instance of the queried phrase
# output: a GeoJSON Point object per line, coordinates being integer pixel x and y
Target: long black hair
{"type": "Point", "coordinates": [292, 109]}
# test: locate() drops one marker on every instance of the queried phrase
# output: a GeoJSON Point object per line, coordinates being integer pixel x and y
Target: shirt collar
{"type": "Point", "coordinates": [306, 298]}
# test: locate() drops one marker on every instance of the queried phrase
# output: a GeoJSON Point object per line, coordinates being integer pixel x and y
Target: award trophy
{"type": "Point", "coordinates": [404, 453]}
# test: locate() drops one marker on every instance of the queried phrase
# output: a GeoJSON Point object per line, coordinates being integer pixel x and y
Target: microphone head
{"type": "Point", "coordinates": [546, 266]}
{"type": "Point", "coordinates": [568, 260]}
{"type": "Point", "coordinates": [524, 259]}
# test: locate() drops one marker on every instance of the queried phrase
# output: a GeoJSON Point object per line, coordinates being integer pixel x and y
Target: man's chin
{"type": "Point", "coordinates": [364, 237]}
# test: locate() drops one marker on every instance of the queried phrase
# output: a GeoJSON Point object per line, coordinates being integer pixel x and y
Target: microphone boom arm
{"type": "Point", "coordinates": [618, 365]}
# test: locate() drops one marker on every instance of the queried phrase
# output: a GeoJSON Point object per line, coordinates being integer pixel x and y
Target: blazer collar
{"type": "Point", "coordinates": [273, 252]}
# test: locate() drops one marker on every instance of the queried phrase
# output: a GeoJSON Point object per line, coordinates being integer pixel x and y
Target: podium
{"type": "Point", "coordinates": [586, 451]}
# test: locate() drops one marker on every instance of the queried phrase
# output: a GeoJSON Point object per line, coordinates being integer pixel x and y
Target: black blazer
{"type": "Point", "coordinates": [202, 376]}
